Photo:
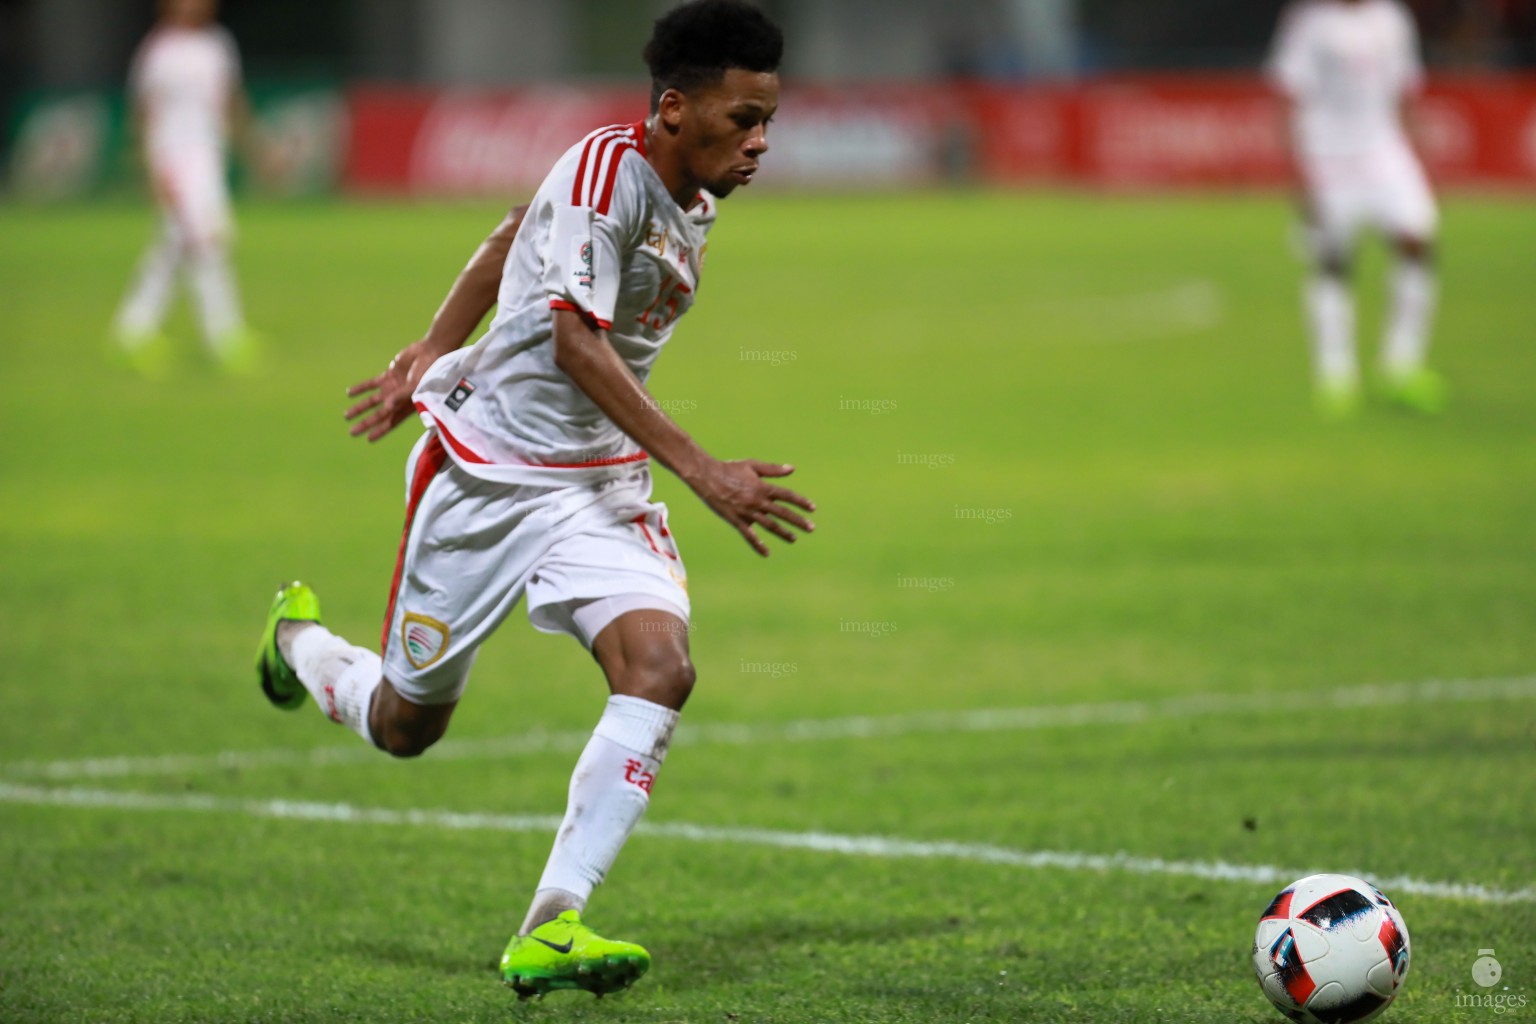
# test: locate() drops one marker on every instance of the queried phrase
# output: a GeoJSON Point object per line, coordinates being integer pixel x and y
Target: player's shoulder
{"type": "Point", "coordinates": [151, 46]}
{"type": "Point", "coordinates": [607, 164]}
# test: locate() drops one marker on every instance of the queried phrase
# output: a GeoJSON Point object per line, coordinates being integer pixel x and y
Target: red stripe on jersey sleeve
{"type": "Point", "coordinates": [589, 169]}
{"type": "Point", "coordinates": [602, 169]}
{"type": "Point", "coordinates": [581, 169]}
{"type": "Point", "coordinates": [592, 321]}
{"type": "Point", "coordinates": [612, 177]}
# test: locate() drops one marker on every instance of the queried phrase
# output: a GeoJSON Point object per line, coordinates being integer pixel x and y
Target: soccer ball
{"type": "Point", "coordinates": [1331, 949]}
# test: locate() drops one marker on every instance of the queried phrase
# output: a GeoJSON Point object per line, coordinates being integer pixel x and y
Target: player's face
{"type": "Point", "coordinates": [723, 128]}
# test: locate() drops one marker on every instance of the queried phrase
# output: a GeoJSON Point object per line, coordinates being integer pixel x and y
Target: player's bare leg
{"type": "Point", "coordinates": [1406, 379]}
{"type": "Point", "coordinates": [644, 654]}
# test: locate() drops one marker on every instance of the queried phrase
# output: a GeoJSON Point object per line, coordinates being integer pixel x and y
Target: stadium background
{"type": "Point", "coordinates": [475, 97]}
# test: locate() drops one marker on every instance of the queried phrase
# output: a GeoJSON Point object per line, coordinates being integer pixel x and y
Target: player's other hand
{"type": "Point", "coordinates": [386, 399]}
{"type": "Point", "coordinates": [742, 494]}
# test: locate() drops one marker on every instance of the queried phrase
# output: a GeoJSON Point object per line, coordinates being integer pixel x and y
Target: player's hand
{"type": "Point", "coordinates": [741, 494]}
{"type": "Point", "coordinates": [387, 398]}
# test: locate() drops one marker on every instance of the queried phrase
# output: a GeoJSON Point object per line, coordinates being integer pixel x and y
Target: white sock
{"type": "Point", "coordinates": [218, 300]}
{"type": "Point", "coordinates": [341, 677]}
{"type": "Point", "coordinates": [610, 790]}
{"type": "Point", "coordinates": [1413, 305]}
{"type": "Point", "coordinates": [1331, 312]}
{"type": "Point", "coordinates": [154, 283]}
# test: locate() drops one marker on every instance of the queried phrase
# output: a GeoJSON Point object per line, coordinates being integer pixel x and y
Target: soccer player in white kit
{"type": "Point", "coordinates": [532, 479]}
{"type": "Point", "coordinates": [186, 97]}
{"type": "Point", "coordinates": [1348, 69]}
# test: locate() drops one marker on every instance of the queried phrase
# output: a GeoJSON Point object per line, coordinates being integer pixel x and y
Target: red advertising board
{"type": "Point", "coordinates": [503, 143]}
{"type": "Point", "coordinates": [1121, 132]}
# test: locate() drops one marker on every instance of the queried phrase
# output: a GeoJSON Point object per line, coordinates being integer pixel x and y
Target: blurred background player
{"type": "Point", "coordinates": [186, 97]}
{"type": "Point", "coordinates": [533, 477]}
{"type": "Point", "coordinates": [1348, 69]}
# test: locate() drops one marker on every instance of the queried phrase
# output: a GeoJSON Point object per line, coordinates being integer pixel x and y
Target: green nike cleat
{"type": "Point", "coordinates": [239, 353]}
{"type": "Point", "coordinates": [564, 953]}
{"type": "Point", "coordinates": [294, 602]}
{"type": "Point", "coordinates": [148, 355]}
{"type": "Point", "coordinates": [1422, 391]}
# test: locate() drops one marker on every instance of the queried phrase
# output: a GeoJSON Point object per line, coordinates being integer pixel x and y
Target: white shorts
{"type": "Point", "coordinates": [584, 554]}
{"type": "Point", "coordinates": [1384, 189]}
{"type": "Point", "coordinates": [195, 198]}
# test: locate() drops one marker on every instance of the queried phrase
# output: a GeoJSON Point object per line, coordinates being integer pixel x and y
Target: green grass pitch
{"type": "Point", "coordinates": [1067, 472]}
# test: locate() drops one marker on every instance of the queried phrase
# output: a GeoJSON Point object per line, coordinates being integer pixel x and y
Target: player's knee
{"type": "Point", "coordinates": [1416, 250]}
{"type": "Point", "coordinates": [400, 739]}
{"type": "Point", "coordinates": [402, 729]}
{"type": "Point", "coordinates": [662, 675]}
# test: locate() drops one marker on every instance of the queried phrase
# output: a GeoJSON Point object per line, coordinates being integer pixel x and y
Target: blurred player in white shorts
{"type": "Point", "coordinates": [533, 479]}
{"type": "Point", "coordinates": [186, 97]}
{"type": "Point", "coordinates": [1348, 69]}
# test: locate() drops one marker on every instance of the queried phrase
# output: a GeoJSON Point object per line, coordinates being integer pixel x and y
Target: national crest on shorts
{"type": "Point", "coordinates": [425, 639]}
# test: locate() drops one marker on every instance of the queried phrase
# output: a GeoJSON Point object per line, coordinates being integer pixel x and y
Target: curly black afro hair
{"type": "Point", "coordinates": [695, 44]}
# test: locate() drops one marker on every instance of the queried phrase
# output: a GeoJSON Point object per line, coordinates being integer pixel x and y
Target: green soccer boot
{"type": "Point", "coordinates": [564, 953]}
{"type": "Point", "coordinates": [1421, 391]}
{"type": "Point", "coordinates": [278, 681]}
{"type": "Point", "coordinates": [240, 353]}
{"type": "Point", "coordinates": [146, 354]}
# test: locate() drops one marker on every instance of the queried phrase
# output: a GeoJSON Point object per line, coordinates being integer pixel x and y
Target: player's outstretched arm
{"type": "Point", "coordinates": [740, 492]}
{"type": "Point", "coordinates": [386, 399]}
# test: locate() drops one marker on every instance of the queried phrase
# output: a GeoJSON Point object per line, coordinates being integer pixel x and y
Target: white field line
{"type": "Point", "coordinates": [1182, 307]}
{"type": "Point", "coordinates": [882, 847]}
{"type": "Point", "coordinates": [814, 729]}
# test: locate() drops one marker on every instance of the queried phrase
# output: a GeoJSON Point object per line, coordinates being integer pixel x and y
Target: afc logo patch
{"type": "Point", "coordinates": [460, 394]}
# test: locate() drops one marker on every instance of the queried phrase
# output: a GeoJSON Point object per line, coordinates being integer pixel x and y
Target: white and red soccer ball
{"type": "Point", "coordinates": [1331, 949]}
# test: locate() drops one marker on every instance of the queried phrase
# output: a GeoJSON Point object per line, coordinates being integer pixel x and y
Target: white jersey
{"type": "Point", "coordinates": [603, 238]}
{"type": "Point", "coordinates": [183, 79]}
{"type": "Point", "coordinates": [1348, 66]}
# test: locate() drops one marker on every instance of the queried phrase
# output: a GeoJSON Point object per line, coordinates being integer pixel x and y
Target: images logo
{"type": "Point", "coordinates": [1486, 973]}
